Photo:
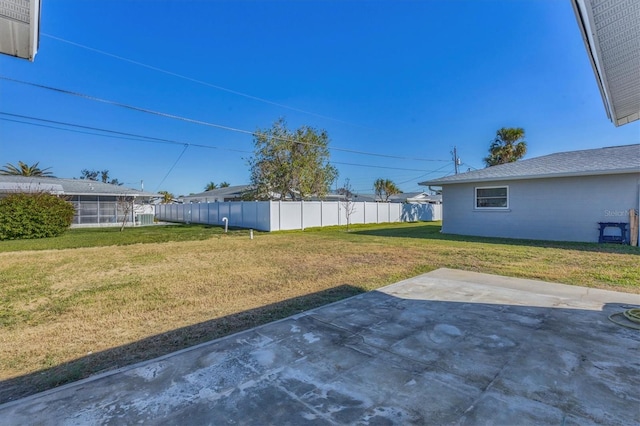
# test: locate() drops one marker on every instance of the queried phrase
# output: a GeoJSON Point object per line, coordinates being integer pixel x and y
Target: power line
{"type": "Point", "coordinates": [377, 167]}
{"type": "Point", "coordinates": [186, 145]}
{"type": "Point", "coordinates": [193, 80]}
{"type": "Point", "coordinates": [131, 136]}
{"type": "Point", "coordinates": [200, 122]}
{"type": "Point", "coordinates": [469, 166]}
{"type": "Point", "coordinates": [150, 139]}
{"type": "Point", "coordinates": [74, 131]}
{"type": "Point", "coordinates": [426, 174]}
{"type": "Point", "coordinates": [172, 167]}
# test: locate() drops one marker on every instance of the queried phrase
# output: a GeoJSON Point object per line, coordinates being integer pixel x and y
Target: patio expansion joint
{"type": "Point", "coordinates": [495, 378]}
{"type": "Point", "coordinates": [525, 347]}
{"type": "Point", "coordinates": [364, 342]}
{"type": "Point", "coordinates": [315, 411]}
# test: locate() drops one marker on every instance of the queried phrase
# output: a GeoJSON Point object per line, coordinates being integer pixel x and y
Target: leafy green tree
{"type": "Point", "coordinates": [225, 184]}
{"type": "Point", "coordinates": [23, 169]}
{"type": "Point", "coordinates": [385, 188]}
{"type": "Point", "coordinates": [507, 147]}
{"type": "Point", "coordinates": [293, 164]}
{"type": "Point", "coordinates": [210, 186]}
{"type": "Point", "coordinates": [99, 176]}
{"type": "Point", "coordinates": [167, 197]}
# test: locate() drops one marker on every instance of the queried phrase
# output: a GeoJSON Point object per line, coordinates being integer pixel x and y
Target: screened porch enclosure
{"type": "Point", "coordinates": [101, 209]}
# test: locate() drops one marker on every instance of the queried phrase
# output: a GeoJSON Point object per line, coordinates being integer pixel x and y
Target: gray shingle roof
{"type": "Point", "coordinates": [601, 161]}
{"type": "Point", "coordinates": [226, 192]}
{"type": "Point", "coordinates": [9, 184]}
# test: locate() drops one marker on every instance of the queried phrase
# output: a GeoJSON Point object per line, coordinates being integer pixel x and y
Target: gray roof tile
{"type": "Point", "coordinates": [609, 160]}
{"type": "Point", "coordinates": [228, 191]}
{"type": "Point", "coordinates": [10, 184]}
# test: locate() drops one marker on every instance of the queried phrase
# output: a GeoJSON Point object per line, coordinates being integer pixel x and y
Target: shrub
{"type": "Point", "coordinates": [37, 215]}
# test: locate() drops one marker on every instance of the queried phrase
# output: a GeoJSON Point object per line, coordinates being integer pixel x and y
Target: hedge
{"type": "Point", "coordinates": [37, 215]}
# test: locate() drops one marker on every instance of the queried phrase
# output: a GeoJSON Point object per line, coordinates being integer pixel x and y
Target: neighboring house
{"type": "Point", "coordinates": [416, 198]}
{"type": "Point", "coordinates": [558, 197]}
{"type": "Point", "coordinates": [336, 195]}
{"type": "Point", "coordinates": [405, 197]}
{"type": "Point", "coordinates": [96, 203]}
{"type": "Point", "coordinates": [244, 193]}
{"type": "Point", "coordinates": [230, 193]}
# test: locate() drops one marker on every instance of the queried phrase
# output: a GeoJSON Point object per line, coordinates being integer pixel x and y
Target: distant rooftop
{"type": "Point", "coordinates": [235, 191]}
{"type": "Point", "coordinates": [59, 186]}
{"type": "Point", "coordinates": [601, 161]}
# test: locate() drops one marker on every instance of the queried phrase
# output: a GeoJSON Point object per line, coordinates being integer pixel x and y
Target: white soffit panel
{"type": "Point", "coordinates": [611, 32]}
{"type": "Point", "coordinates": [19, 28]}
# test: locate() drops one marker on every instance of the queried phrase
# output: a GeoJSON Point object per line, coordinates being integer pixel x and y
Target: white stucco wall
{"type": "Point", "coordinates": [560, 209]}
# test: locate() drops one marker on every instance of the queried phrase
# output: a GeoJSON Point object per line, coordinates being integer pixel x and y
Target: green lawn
{"type": "Point", "coordinates": [99, 299]}
{"type": "Point", "coordinates": [112, 236]}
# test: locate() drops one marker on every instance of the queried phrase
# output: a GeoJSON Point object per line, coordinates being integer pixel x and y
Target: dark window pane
{"type": "Point", "coordinates": [491, 202]}
{"type": "Point", "coordinates": [492, 192]}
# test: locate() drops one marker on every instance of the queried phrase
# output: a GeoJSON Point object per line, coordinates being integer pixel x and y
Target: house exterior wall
{"type": "Point", "coordinates": [558, 209]}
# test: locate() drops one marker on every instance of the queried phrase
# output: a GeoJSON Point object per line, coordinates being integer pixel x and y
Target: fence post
{"type": "Point", "coordinates": [279, 215]}
{"type": "Point", "coordinates": [302, 214]}
{"type": "Point", "coordinates": [364, 211]}
{"type": "Point", "coordinates": [321, 214]}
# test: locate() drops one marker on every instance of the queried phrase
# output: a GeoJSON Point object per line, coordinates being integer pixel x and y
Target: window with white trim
{"type": "Point", "coordinates": [492, 197]}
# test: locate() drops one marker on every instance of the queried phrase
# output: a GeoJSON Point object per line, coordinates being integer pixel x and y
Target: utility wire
{"type": "Point", "coordinates": [150, 139]}
{"type": "Point", "coordinates": [377, 167]}
{"type": "Point", "coordinates": [204, 83]}
{"type": "Point", "coordinates": [426, 174]}
{"type": "Point", "coordinates": [172, 167]}
{"type": "Point", "coordinates": [74, 131]}
{"type": "Point", "coordinates": [131, 136]}
{"type": "Point", "coordinates": [186, 145]}
{"type": "Point", "coordinates": [194, 121]}
{"type": "Point", "coordinates": [469, 166]}
{"type": "Point", "coordinates": [111, 136]}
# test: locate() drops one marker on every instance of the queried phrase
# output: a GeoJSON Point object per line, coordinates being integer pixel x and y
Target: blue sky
{"type": "Point", "coordinates": [409, 79]}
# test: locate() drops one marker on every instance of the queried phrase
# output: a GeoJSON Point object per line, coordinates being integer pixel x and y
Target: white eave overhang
{"type": "Point", "coordinates": [611, 33]}
{"type": "Point", "coordinates": [19, 28]}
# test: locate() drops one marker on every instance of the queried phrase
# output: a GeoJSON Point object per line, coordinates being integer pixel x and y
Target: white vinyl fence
{"type": "Point", "coordinates": [288, 215]}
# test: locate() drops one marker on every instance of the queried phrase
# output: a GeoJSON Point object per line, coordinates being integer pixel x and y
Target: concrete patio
{"type": "Point", "coordinates": [447, 347]}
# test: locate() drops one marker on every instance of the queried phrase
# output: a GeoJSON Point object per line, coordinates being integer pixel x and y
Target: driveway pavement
{"type": "Point", "coordinates": [447, 347]}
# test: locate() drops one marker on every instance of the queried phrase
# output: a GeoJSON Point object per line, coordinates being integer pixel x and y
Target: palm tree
{"type": "Point", "coordinates": [167, 197]}
{"type": "Point", "coordinates": [103, 174]}
{"type": "Point", "coordinates": [23, 169]}
{"type": "Point", "coordinates": [225, 184]}
{"type": "Point", "coordinates": [210, 186]}
{"type": "Point", "coordinates": [507, 147]}
{"type": "Point", "coordinates": [385, 188]}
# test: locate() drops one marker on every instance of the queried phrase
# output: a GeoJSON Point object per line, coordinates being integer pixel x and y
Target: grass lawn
{"type": "Point", "coordinates": [99, 299]}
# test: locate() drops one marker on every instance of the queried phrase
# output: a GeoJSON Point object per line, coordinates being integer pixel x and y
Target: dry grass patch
{"type": "Point", "coordinates": [66, 314]}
